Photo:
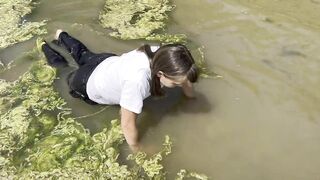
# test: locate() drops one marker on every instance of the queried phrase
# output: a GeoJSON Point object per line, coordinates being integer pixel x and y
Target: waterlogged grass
{"type": "Point", "coordinates": [138, 19]}
{"type": "Point", "coordinates": [204, 71]}
{"type": "Point", "coordinates": [13, 27]}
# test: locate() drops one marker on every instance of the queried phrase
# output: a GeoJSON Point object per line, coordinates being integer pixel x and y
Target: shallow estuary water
{"type": "Point", "coordinates": [259, 121]}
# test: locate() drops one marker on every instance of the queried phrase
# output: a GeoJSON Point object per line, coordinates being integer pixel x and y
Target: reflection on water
{"type": "Point", "coordinates": [260, 121]}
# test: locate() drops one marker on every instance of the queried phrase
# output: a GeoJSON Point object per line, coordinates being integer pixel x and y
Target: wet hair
{"type": "Point", "coordinates": [173, 60]}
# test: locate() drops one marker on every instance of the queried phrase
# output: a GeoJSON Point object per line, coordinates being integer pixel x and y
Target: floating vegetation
{"type": "Point", "coordinates": [40, 139]}
{"type": "Point", "coordinates": [138, 19]}
{"type": "Point", "coordinates": [167, 38]}
{"type": "Point", "coordinates": [13, 27]}
{"type": "Point", "coordinates": [5, 67]}
{"type": "Point", "coordinates": [201, 64]}
{"type": "Point", "coordinates": [185, 174]}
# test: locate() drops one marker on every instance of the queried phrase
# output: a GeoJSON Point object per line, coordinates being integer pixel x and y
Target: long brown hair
{"type": "Point", "coordinates": [173, 60]}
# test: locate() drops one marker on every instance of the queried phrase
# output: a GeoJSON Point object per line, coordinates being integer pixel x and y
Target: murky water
{"type": "Point", "coordinates": [260, 121]}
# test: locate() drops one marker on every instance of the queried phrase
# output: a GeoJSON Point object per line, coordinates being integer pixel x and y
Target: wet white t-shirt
{"type": "Point", "coordinates": [123, 80]}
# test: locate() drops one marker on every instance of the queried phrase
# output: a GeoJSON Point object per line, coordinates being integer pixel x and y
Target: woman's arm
{"type": "Point", "coordinates": [188, 89]}
{"type": "Point", "coordinates": [128, 126]}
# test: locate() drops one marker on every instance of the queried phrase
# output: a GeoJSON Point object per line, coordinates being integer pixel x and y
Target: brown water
{"type": "Point", "coordinates": [260, 121]}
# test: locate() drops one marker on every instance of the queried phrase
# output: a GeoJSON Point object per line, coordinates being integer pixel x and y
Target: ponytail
{"type": "Point", "coordinates": [193, 73]}
{"type": "Point", "coordinates": [155, 88]}
{"type": "Point", "coordinates": [147, 50]}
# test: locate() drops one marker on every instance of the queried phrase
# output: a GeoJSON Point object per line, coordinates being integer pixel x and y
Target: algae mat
{"type": "Point", "coordinates": [139, 19]}
{"type": "Point", "coordinates": [13, 28]}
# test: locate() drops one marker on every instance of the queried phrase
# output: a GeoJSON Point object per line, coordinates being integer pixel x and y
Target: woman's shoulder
{"type": "Point", "coordinates": [139, 82]}
{"type": "Point", "coordinates": [142, 75]}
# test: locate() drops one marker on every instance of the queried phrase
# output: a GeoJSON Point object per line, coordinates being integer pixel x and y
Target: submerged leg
{"type": "Point", "coordinates": [72, 45]}
{"type": "Point", "coordinates": [53, 58]}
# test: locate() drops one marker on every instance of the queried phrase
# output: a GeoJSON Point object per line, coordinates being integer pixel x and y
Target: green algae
{"type": "Point", "coordinates": [5, 67]}
{"type": "Point", "coordinates": [152, 166]}
{"type": "Point", "coordinates": [22, 103]}
{"type": "Point", "coordinates": [138, 19]}
{"type": "Point", "coordinates": [40, 139]}
{"type": "Point", "coordinates": [13, 27]}
{"type": "Point", "coordinates": [167, 38]}
{"type": "Point", "coordinates": [204, 72]}
{"type": "Point", "coordinates": [182, 174]}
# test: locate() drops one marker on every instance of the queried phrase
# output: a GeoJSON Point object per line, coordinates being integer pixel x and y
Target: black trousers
{"type": "Point", "coordinates": [87, 61]}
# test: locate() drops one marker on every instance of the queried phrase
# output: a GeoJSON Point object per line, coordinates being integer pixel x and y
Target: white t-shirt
{"type": "Point", "coordinates": [123, 80]}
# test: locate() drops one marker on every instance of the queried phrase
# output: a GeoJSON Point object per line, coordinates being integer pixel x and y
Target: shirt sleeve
{"type": "Point", "coordinates": [132, 96]}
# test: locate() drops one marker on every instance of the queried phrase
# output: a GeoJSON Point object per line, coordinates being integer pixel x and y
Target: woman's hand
{"type": "Point", "coordinates": [135, 148]}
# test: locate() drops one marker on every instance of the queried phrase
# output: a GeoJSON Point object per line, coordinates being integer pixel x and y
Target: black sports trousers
{"type": "Point", "coordinates": [87, 61]}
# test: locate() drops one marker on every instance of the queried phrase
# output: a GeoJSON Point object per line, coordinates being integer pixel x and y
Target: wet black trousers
{"type": "Point", "coordinates": [86, 60]}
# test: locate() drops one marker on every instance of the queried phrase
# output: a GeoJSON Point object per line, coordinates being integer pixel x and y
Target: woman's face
{"type": "Point", "coordinates": [171, 82]}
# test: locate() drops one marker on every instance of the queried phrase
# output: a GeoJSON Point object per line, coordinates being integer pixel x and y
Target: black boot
{"type": "Point", "coordinates": [54, 59]}
{"type": "Point", "coordinates": [65, 42]}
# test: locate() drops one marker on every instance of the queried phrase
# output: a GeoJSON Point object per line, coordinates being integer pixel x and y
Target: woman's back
{"type": "Point", "coordinates": [122, 80]}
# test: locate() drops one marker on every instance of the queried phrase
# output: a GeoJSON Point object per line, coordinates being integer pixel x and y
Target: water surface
{"type": "Point", "coordinates": [260, 121]}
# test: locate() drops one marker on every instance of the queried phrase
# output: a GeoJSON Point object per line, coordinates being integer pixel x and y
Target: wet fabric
{"type": "Point", "coordinates": [54, 59]}
{"type": "Point", "coordinates": [122, 80]}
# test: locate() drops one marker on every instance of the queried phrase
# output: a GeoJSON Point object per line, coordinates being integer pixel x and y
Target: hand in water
{"type": "Point", "coordinates": [135, 148]}
{"type": "Point", "coordinates": [150, 149]}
